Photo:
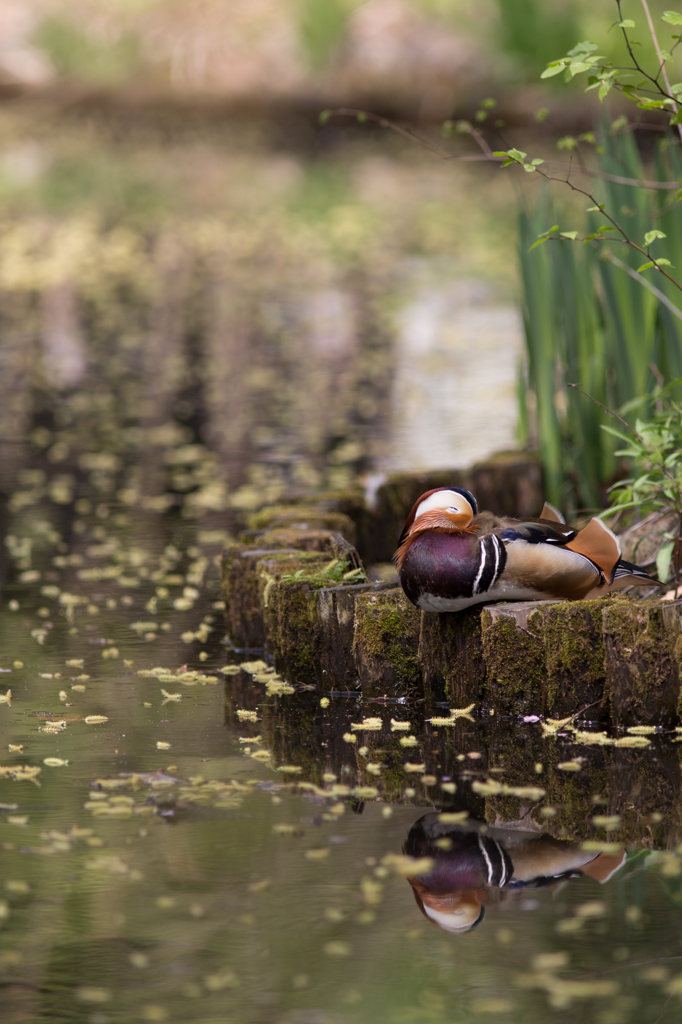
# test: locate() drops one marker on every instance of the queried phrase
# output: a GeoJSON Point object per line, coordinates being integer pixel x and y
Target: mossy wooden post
{"type": "Point", "coordinates": [241, 593]}
{"type": "Point", "coordinates": [288, 607]}
{"type": "Point", "coordinates": [451, 656]}
{"type": "Point", "coordinates": [574, 657]}
{"type": "Point", "coordinates": [642, 669]}
{"type": "Point", "coordinates": [385, 644]}
{"type": "Point", "coordinates": [297, 536]}
{"type": "Point", "coordinates": [307, 517]}
{"type": "Point", "coordinates": [336, 618]}
{"type": "Point", "coordinates": [514, 654]}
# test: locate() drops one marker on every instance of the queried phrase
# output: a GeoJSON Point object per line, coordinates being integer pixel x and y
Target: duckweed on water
{"type": "Point", "coordinates": [255, 856]}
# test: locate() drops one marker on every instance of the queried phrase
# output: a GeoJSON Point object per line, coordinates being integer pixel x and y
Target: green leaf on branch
{"type": "Point", "coordinates": [627, 23]}
{"type": "Point", "coordinates": [584, 47]}
{"type": "Point", "coordinates": [663, 560]}
{"type": "Point", "coordinates": [567, 142]}
{"type": "Point", "coordinates": [653, 104]}
{"type": "Point", "coordinates": [604, 90]}
{"type": "Point", "coordinates": [652, 235]}
{"type": "Point", "coordinates": [672, 17]}
{"type": "Point", "coordinates": [446, 129]}
{"type": "Point", "coordinates": [555, 68]}
{"type": "Point", "coordinates": [656, 263]}
{"type": "Point", "coordinates": [489, 103]}
{"type": "Point", "coordinates": [569, 234]}
{"type": "Point", "coordinates": [542, 114]}
{"type": "Point", "coordinates": [620, 122]}
{"type": "Point", "coordinates": [596, 209]}
{"type": "Point", "coordinates": [544, 236]}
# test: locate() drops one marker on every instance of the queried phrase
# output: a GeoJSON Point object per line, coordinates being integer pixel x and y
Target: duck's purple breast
{"type": "Point", "coordinates": [441, 564]}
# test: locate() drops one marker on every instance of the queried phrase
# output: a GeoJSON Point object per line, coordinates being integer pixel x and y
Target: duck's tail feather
{"type": "Point", "coordinates": [551, 513]}
{"type": "Point", "coordinates": [634, 575]}
{"type": "Point", "coordinates": [598, 544]}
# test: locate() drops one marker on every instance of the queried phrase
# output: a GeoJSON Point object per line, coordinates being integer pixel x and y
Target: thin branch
{"type": "Point", "coordinates": [609, 411]}
{"type": "Point", "coordinates": [617, 180]}
{"type": "Point", "coordinates": [643, 281]}
{"type": "Point", "coordinates": [385, 123]}
{"type": "Point", "coordinates": [638, 66]}
{"type": "Point", "coordinates": [662, 68]}
{"type": "Point", "coordinates": [619, 229]}
{"type": "Point", "coordinates": [487, 154]}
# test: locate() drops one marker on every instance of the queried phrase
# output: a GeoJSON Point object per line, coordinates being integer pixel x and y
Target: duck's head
{"type": "Point", "coordinates": [456, 912]}
{"type": "Point", "coordinates": [443, 508]}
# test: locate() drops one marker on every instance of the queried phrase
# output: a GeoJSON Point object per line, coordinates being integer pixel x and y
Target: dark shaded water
{"type": "Point", "coordinates": [180, 861]}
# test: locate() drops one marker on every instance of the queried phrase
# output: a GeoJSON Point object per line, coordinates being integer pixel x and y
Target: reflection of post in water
{"type": "Point", "coordinates": [474, 867]}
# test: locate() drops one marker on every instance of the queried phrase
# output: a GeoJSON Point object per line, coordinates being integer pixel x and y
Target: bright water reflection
{"type": "Point", "coordinates": [158, 869]}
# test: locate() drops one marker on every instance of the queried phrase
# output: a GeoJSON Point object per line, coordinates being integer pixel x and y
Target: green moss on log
{"type": "Point", "coordinates": [574, 656]}
{"type": "Point", "coordinates": [288, 608]}
{"type": "Point", "coordinates": [451, 655]}
{"type": "Point", "coordinates": [642, 670]}
{"type": "Point", "coordinates": [515, 661]}
{"type": "Point", "coordinates": [385, 644]}
{"type": "Point", "coordinates": [288, 516]}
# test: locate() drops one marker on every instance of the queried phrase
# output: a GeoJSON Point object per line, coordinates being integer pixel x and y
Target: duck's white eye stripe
{"type": "Point", "coordinates": [449, 500]}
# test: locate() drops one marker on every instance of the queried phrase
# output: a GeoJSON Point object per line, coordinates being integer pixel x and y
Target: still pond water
{"type": "Point", "coordinates": [165, 858]}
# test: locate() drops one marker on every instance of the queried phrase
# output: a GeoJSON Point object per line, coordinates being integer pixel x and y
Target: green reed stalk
{"type": "Point", "coordinates": [590, 321]}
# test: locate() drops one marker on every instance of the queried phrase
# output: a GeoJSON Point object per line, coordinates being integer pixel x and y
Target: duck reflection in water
{"type": "Point", "coordinates": [474, 866]}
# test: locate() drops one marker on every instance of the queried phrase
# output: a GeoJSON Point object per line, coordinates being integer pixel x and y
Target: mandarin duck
{"type": "Point", "coordinates": [470, 868]}
{"type": "Point", "coordinates": [451, 556]}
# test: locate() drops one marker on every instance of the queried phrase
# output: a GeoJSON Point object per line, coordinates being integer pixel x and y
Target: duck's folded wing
{"type": "Point", "coordinates": [595, 542]}
{"type": "Point", "coordinates": [538, 531]}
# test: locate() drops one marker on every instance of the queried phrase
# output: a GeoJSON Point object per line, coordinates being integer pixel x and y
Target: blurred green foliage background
{"type": "Point", "coordinates": [165, 188]}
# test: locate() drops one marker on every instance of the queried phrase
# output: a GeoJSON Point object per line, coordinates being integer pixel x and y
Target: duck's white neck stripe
{"type": "Point", "coordinates": [481, 567]}
{"type": "Point", "coordinates": [496, 545]}
{"type": "Point", "coordinates": [481, 846]}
